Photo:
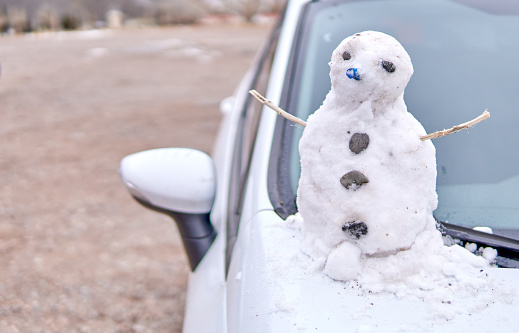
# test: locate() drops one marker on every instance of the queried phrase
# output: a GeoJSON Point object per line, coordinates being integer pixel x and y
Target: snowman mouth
{"type": "Point", "coordinates": [353, 73]}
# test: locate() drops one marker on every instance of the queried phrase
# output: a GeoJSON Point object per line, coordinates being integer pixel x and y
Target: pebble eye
{"type": "Point", "coordinates": [346, 55]}
{"type": "Point", "coordinates": [388, 66]}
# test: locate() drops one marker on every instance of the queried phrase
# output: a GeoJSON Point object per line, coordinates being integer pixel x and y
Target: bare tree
{"type": "Point", "coordinates": [47, 17]}
{"type": "Point", "coordinates": [245, 8]}
{"type": "Point", "coordinates": [177, 12]}
{"type": "Point", "coordinates": [135, 8]}
{"type": "Point", "coordinates": [4, 20]}
{"type": "Point", "coordinates": [276, 6]}
{"type": "Point", "coordinates": [75, 15]}
{"type": "Point", "coordinates": [18, 20]}
{"type": "Point", "coordinates": [96, 9]}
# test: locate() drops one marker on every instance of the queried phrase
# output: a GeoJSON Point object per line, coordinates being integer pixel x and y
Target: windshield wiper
{"type": "Point", "coordinates": [507, 248]}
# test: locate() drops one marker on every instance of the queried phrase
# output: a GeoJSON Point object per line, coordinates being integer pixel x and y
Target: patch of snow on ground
{"type": "Point", "coordinates": [97, 52]}
{"type": "Point", "coordinates": [91, 34]}
{"type": "Point", "coordinates": [157, 46]}
{"type": "Point", "coordinates": [177, 49]}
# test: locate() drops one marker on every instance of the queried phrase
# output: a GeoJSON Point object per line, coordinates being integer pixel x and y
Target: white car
{"type": "Point", "coordinates": [231, 209]}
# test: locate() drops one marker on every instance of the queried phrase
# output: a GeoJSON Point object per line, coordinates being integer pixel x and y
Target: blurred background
{"type": "Point", "coordinates": [84, 83]}
{"type": "Point", "coordinates": [38, 15]}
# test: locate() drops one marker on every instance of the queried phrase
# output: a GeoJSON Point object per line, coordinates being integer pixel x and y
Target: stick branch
{"type": "Point", "coordinates": [283, 113]}
{"type": "Point", "coordinates": [276, 108]}
{"type": "Point", "coordinates": [483, 116]}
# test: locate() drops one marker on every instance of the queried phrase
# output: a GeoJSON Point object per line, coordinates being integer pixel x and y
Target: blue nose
{"type": "Point", "coordinates": [353, 73]}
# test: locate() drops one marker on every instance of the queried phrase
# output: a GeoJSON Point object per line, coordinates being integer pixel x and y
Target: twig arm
{"type": "Point", "coordinates": [276, 108]}
{"type": "Point", "coordinates": [283, 113]}
{"type": "Point", "coordinates": [483, 116]}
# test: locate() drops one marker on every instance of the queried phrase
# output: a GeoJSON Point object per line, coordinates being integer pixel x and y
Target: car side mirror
{"type": "Point", "coordinates": [181, 183]}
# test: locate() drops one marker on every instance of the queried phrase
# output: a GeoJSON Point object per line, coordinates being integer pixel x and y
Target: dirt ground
{"type": "Point", "coordinates": [77, 254]}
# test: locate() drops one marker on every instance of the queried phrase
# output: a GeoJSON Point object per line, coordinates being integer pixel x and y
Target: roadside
{"type": "Point", "coordinates": [76, 253]}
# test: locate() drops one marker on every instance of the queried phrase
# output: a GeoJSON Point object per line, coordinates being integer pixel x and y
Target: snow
{"type": "Point", "coordinates": [449, 283]}
{"type": "Point", "coordinates": [486, 230]}
{"type": "Point", "coordinates": [177, 49]}
{"type": "Point", "coordinates": [98, 52]}
{"type": "Point", "coordinates": [158, 46]}
{"type": "Point", "coordinates": [92, 34]}
{"type": "Point", "coordinates": [471, 247]}
{"type": "Point", "coordinates": [489, 253]}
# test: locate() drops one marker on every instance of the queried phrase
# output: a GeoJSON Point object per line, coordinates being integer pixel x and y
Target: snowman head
{"type": "Point", "coordinates": [370, 66]}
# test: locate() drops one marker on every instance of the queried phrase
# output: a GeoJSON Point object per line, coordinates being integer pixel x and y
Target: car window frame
{"type": "Point", "coordinates": [247, 127]}
{"type": "Point", "coordinates": [281, 195]}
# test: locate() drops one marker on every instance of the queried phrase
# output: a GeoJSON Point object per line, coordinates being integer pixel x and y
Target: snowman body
{"type": "Point", "coordinates": [368, 183]}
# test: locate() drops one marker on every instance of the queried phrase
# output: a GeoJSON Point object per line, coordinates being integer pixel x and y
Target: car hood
{"type": "Point", "coordinates": [273, 286]}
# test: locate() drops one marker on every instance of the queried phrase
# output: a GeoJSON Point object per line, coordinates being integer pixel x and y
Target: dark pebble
{"type": "Point", "coordinates": [359, 142]}
{"type": "Point", "coordinates": [355, 228]}
{"type": "Point", "coordinates": [353, 177]}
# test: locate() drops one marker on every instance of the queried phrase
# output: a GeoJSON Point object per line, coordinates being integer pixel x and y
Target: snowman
{"type": "Point", "coordinates": [368, 183]}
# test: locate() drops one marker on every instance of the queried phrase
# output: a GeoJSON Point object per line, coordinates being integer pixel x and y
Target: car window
{"type": "Point", "coordinates": [245, 139]}
{"type": "Point", "coordinates": [464, 60]}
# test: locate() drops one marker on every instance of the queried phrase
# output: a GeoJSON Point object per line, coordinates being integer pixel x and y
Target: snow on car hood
{"type": "Point", "coordinates": [274, 286]}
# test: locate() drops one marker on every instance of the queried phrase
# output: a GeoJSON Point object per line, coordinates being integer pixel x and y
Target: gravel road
{"type": "Point", "coordinates": [77, 254]}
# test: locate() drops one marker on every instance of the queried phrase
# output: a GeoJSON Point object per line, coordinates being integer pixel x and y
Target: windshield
{"type": "Point", "coordinates": [465, 61]}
